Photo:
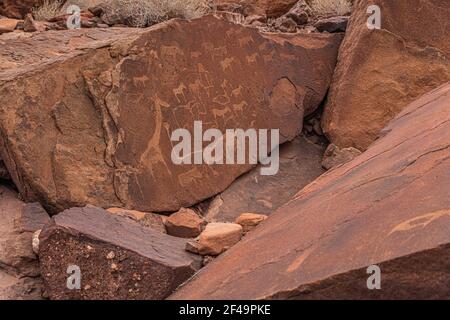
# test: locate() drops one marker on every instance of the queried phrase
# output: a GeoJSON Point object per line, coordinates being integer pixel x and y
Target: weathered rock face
{"type": "Point", "coordinates": [271, 8]}
{"type": "Point", "coordinates": [117, 258]}
{"type": "Point", "coordinates": [91, 122]}
{"type": "Point", "coordinates": [18, 222]}
{"type": "Point", "coordinates": [382, 71]}
{"type": "Point", "coordinates": [16, 288]}
{"type": "Point", "coordinates": [19, 267]}
{"type": "Point", "coordinates": [299, 165]}
{"type": "Point", "coordinates": [17, 8]}
{"type": "Point", "coordinates": [388, 207]}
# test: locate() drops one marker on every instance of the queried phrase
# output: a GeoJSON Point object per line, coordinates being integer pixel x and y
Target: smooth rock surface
{"type": "Point", "coordinates": [218, 237]}
{"type": "Point", "coordinates": [389, 207]}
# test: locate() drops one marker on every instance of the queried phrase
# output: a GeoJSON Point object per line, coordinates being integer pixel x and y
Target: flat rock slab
{"type": "Point", "coordinates": [86, 116]}
{"type": "Point", "coordinates": [389, 207]}
{"type": "Point", "coordinates": [117, 258]}
{"type": "Point", "coordinates": [300, 164]}
{"type": "Point", "coordinates": [381, 71]}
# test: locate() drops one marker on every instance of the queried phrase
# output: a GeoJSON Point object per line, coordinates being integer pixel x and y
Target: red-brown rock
{"type": "Point", "coordinates": [117, 258]}
{"type": "Point", "coordinates": [109, 100]}
{"type": "Point", "coordinates": [8, 25]}
{"type": "Point", "coordinates": [389, 207]}
{"type": "Point", "coordinates": [17, 9]}
{"type": "Point", "coordinates": [185, 223]}
{"type": "Point", "coordinates": [18, 222]}
{"type": "Point", "coordinates": [382, 71]}
{"type": "Point", "coordinates": [300, 164]}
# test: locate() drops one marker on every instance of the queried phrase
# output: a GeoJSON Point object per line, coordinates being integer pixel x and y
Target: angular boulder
{"type": "Point", "coordinates": [381, 71]}
{"type": "Point", "coordinates": [17, 9]}
{"type": "Point", "coordinates": [389, 207]}
{"type": "Point", "coordinates": [117, 258]}
{"type": "Point", "coordinates": [249, 221]}
{"type": "Point", "coordinates": [185, 223]}
{"type": "Point", "coordinates": [90, 122]}
{"type": "Point", "coordinates": [18, 222]}
{"type": "Point", "coordinates": [145, 219]}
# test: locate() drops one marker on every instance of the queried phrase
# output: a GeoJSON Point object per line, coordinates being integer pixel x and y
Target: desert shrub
{"type": "Point", "coordinates": [141, 13]}
{"type": "Point", "coordinates": [47, 10]}
{"type": "Point", "coordinates": [330, 7]}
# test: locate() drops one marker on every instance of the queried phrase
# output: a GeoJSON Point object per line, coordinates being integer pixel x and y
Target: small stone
{"type": "Point", "coordinates": [249, 221]}
{"type": "Point", "coordinates": [111, 255]}
{"type": "Point", "coordinates": [114, 266]}
{"type": "Point", "coordinates": [185, 224]}
{"type": "Point", "coordinates": [334, 156]}
{"type": "Point", "coordinates": [332, 25]}
{"type": "Point", "coordinates": [218, 237]}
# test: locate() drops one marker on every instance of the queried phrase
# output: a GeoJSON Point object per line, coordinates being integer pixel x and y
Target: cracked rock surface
{"type": "Point", "coordinates": [381, 71]}
{"type": "Point", "coordinates": [101, 133]}
{"type": "Point", "coordinates": [389, 207]}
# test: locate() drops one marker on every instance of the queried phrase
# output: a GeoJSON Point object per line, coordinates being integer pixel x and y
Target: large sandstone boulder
{"type": "Point", "coordinates": [90, 122]}
{"type": "Point", "coordinates": [117, 258]}
{"type": "Point", "coordinates": [382, 71]}
{"type": "Point", "coordinates": [271, 8]}
{"type": "Point", "coordinates": [389, 207]}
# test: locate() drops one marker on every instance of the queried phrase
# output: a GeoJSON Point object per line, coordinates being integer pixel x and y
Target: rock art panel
{"type": "Point", "coordinates": [101, 134]}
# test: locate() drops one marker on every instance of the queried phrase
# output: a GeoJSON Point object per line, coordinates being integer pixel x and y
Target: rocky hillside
{"type": "Point", "coordinates": [318, 149]}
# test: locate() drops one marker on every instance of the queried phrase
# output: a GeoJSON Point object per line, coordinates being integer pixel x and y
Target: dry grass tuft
{"type": "Point", "coordinates": [330, 7]}
{"type": "Point", "coordinates": [141, 13]}
{"type": "Point", "coordinates": [47, 10]}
